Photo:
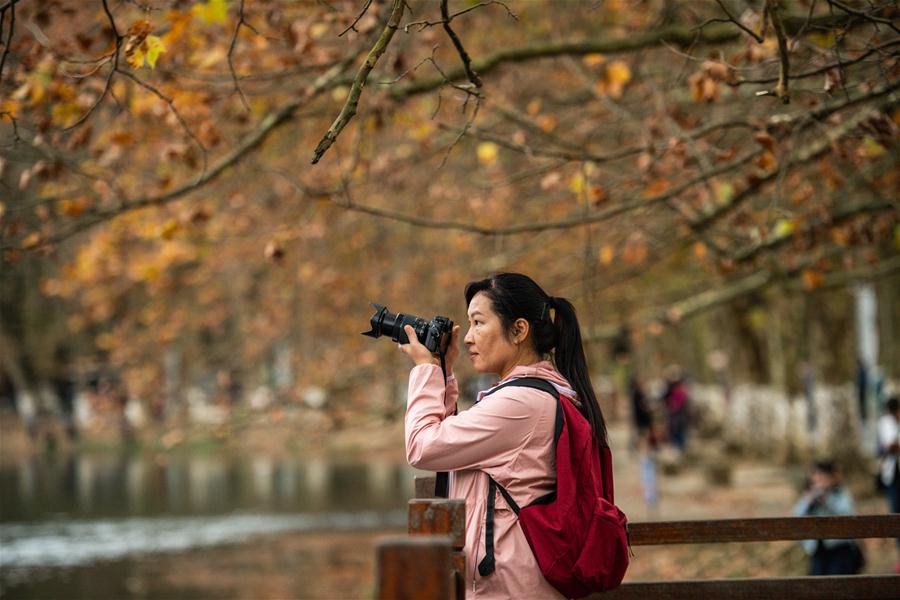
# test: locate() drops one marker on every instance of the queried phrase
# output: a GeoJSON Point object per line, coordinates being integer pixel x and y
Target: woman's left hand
{"type": "Point", "coordinates": [416, 350]}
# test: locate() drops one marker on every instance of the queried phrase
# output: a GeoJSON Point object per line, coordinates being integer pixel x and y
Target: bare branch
{"type": "Point", "coordinates": [457, 43]}
{"type": "Point", "coordinates": [349, 109]}
{"type": "Point", "coordinates": [9, 36]}
{"type": "Point", "coordinates": [114, 58]}
{"type": "Point", "coordinates": [737, 22]}
{"type": "Point", "coordinates": [781, 88]}
{"type": "Point", "coordinates": [271, 122]}
{"type": "Point", "coordinates": [352, 26]}
{"type": "Point", "coordinates": [864, 15]}
{"type": "Point", "coordinates": [152, 89]}
{"type": "Point", "coordinates": [826, 68]}
{"type": "Point", "coordinates": [234, 38]}
{"type": "Point", "coordinates": [424, 24]}
{"type": "Point", "coordinates": [677, 35]}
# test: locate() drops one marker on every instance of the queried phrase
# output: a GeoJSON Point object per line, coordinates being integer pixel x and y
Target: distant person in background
{"type": "Point", "coordinates": [677, 406]}
{"type": "Point", "coordinates": [825, 496]}
{"type": "Point", "coordinates": [862, 386]}
{"type": "Point", "coordinates": [889, 450]}
{"type": "Point", "coordinates": [641, 414]}
{"type": "Point", "coordinates": [645, 441]}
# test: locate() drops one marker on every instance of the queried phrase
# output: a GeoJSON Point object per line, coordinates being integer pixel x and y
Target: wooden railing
{"type": "Point", "coordinates": [429, 563]}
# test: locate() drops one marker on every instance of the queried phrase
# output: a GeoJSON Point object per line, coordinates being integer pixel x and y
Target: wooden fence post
{"type": "Point", "coordinates": [414, 568]}
{"type": "Point", "coordinates": [424, 487]}
{"type": "Point", "coordinates": [443, 517]}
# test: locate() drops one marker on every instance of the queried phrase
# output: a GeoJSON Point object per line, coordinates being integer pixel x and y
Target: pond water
{"type": "Point", "coordinates": [89, 511]}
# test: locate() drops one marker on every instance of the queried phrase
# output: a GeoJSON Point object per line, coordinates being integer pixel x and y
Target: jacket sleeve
{"type": "Point", "coordinates": [488, 435]}
{"type": "Point", "coordinates": [451, 396]}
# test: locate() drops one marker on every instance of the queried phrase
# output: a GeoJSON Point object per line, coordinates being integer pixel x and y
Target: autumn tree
{"type": "Point", "coordinates": [233, 180]}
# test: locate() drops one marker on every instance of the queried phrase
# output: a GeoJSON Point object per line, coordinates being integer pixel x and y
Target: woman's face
{"type": "Point", "coordinates": [490, 349]}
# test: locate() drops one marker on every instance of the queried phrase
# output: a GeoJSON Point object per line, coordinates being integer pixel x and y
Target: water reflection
{"type": "Point", "coordinates": [135, 486]}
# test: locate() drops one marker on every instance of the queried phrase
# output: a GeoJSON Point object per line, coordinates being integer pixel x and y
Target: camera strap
{"type": "Point", "coordinates": [442, 480]}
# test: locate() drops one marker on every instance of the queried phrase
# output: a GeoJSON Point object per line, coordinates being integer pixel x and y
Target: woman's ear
{"type": "Point", "coordinates": [520, 330]}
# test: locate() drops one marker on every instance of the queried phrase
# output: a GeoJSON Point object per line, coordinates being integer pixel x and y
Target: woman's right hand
{"type": "Point", "coordinates": [452, 350]}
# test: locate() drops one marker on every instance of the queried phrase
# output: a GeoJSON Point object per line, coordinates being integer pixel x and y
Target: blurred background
{"type": "Point", "coordinates": [199, 200]}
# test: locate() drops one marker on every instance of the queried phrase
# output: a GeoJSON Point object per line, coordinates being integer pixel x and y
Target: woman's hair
{"type": "Point", "coordinates": [514, 296]}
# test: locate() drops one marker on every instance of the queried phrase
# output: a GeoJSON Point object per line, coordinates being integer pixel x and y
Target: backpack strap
{"type": "Point", "coordinates": [488, 564]}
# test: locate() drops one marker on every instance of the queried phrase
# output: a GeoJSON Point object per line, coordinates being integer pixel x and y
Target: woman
{"type": "Point", "coordinates": [515, 330]}
{"type": "Point", "coordinates": [825, 496]}
{"type": "Point", "coordinates": [889, 450]}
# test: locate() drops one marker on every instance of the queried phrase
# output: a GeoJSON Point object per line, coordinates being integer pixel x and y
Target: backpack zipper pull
{"type": "Point", "coordinates": [628, 541]}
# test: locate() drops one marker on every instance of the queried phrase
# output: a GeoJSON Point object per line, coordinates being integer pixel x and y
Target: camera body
{"type": "Point", "coordinates": [433, 334]}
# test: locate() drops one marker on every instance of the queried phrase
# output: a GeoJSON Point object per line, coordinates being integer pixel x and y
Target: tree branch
{"type": "Point", "coordinates": [349, 109]}
{"type": "Point", "coordinates": [706, 300]}
{"type": "Point", "coordinates": [352, 25]}
{"type": "Point", "coordinates": [234, 38]}
{"type": "Point", "coordinates": [117, 40]}
{"type": "Point", "coordinates": [457, 43]}
{"type": "Point", "coordinates": [781, 88]}
{"type": "Point", "coordinates": [9, 36]}
{"type": "Point", "coordinates": [676, 34]}
{"type": "Point", "coordinates": [737, 22]}
{"type": "Point", "coordinates": [864, 15]}
{"type": "Point", "coordinates": [272, 121]}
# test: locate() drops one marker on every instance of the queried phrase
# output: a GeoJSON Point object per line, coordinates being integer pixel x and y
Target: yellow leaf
{"type": "Point", "coordinates": [872, 148]}
{"type": "Point", "coordinates": [783, 228]}
{"type": "Point", "coordinates": [155, 47]}
{"type": "Point", "coordinates": [65, 114]}
{"type": "Point", "coordinates": [487, 153]}
{"type": "Point", "coordinates": [592, 60]}
{"type": "Point", "coordinates": [214, 11]}
{"type": "Point", "coordinates": [340, 93]}
{"type": "Point", "coordinates": [577, 183]}
{"type": "Point", "coordinates": [148, 50]}
{"type": "Point", "coordinates": [618, 73]}
{"type": "Point", "coordinates": [105, 341]}
{"type": "Point", "coordinates": [318, 30]}
{"type": "Point", "coordinates": [167, 232]}
{"type": "Point", "coordinates": [607, 253]}
{"type": "Point", "coordinates": [822, 39]}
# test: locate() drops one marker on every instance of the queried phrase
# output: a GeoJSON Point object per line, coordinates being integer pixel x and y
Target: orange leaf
{"type": "Point", "coordinates": [765, 140]}
{"type": "Point", "coordinates": [700, 250]}
{"type": "Point", "coordinates": [812, 279]}
{"type": "Point", "coordinates": [766, 161]}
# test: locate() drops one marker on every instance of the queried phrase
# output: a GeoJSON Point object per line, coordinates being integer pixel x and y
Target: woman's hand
{"type": "Point", "coordinates": [422, 356]}
{"type": "Point", "coordinates": [452, 350]}
{"type": "Point", "coordinates": [416, 350]}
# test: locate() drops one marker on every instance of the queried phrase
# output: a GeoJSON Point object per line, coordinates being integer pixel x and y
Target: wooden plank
{"type": "Point", "coordinates": [850, 587]}
{"type": "Point", "coordinates": [414, 568]}
{"type": "Point", "coordinates": [439, 516]}
{"type": "Point", "coordinates": [424, 486]}
{"type": "Point", "coordinates": [764, 530]}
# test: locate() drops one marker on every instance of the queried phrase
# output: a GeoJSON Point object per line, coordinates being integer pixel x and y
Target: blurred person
{"type": "Point", "coordinates": [825, 496]}
{"type": "Point", "coordinates": [508, 435]}
{"type": "Point", "coordinates": [889, 451]}
{"type": "Point", "coordinates": [677, 404]}
{"type": "Point", "coordinates": [862, 387]}
{"type": "Point", "coordinates": [645, 441]}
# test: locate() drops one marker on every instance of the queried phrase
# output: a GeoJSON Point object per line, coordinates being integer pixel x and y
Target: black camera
{"type": "Point", "coordinates": [434, 334]}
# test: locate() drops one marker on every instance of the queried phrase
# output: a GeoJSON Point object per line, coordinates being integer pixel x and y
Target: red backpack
{"type": "Point", "coordinates": [578, 535]}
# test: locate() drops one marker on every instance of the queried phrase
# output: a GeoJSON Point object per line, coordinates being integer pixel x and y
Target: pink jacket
{"type": "Point", "coordinates": [508, 435]}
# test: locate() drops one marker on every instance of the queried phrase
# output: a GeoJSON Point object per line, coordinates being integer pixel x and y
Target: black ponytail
{"type": "Point", "coordinates": [514, 296]}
